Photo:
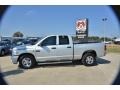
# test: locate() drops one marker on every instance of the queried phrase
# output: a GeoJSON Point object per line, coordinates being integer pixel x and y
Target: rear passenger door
{"type": "Point", "coordinates": [64, 49]}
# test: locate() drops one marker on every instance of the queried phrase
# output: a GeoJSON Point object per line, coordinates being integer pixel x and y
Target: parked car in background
{"type": "Point", "coordinates": [14, 44]}
{"type": "Point", "coordinates": [4, 48]}
{"type": "Point", "coordinates": [30, 41]}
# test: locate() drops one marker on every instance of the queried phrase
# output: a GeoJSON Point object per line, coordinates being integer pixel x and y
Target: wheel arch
{"type": "Point", "coordinates": [90, 51]}
{"type": "Point", "coordinates": [2, 50]}
{"type": "Point", "coordinates": [23, 54]}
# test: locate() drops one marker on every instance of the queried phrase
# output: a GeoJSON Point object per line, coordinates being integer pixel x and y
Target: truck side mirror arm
{"type": "Point", "coordinates": [40, 45]}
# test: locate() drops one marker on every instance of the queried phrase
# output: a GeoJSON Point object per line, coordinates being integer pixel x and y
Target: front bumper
{"type": "Point", "coordinates": [14, 59]}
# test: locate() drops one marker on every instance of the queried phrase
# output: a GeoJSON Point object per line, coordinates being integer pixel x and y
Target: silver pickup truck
{"type": "Point", "coordinates": [57, 48]}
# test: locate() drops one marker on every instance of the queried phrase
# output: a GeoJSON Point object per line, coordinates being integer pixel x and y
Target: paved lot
{"type": "Point", "coordinates": [67, 73]}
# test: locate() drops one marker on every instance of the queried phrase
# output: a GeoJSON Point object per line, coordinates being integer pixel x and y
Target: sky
{"type": "Point", "coordinates": [46, 20]}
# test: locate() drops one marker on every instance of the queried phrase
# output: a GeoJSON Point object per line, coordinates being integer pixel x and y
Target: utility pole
{"type": "Point", "coordinates": [104, 26]}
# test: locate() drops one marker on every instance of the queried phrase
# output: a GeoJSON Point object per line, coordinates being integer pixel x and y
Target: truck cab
{"type": "Point", "coordinates": [52, 47]}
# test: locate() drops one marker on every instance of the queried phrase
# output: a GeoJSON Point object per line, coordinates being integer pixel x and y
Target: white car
{"type": "Point", "coordinates": [55, 48]}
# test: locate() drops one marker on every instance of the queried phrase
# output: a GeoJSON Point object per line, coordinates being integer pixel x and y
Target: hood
{"type": "Point", "coordinates": [23, 47]}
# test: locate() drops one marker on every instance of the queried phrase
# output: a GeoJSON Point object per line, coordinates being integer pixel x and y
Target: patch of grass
{"type": "Point", "coordinates": [113, 48]}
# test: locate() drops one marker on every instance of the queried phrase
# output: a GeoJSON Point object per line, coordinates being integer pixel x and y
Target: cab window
{"type": "Point", "coordinates": [49, 41]}
{"type": "Point", "coordinates": [63, 40]}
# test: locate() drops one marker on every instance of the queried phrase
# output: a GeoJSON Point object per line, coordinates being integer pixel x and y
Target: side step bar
{"type": "Point", "coordinates": [54, 62]}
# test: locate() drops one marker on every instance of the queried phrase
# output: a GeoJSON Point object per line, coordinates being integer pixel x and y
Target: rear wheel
{"type": "Point", "coordinates": [89, 59]}
{"type": "Point", "coordinates": [26, 61]}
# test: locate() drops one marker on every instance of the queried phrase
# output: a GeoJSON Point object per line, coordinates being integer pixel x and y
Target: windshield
{"type": "Point", "coordinates": [38, 40]}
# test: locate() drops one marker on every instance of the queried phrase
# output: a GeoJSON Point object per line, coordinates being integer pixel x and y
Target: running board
{"type": "Point", "coordinates": [54, 62]}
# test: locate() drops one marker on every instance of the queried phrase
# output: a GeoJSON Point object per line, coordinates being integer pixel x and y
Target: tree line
{"type": "Point", "coordinates": [95, 38]}
{"type": "Point", "coordinates": [90, 38]}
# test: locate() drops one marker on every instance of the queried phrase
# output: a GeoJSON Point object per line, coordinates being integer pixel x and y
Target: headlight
{"type": "Point", "coordinates": [14, 51]}
{"type": "Point", "coordinates": [17, 51]}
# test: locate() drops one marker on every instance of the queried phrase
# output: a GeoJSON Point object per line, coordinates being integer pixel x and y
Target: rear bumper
{"type": "Point", "coordinates": [14, 59]}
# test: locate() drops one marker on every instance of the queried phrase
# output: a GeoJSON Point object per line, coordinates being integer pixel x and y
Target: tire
{"type": "Point", "coordinates": [89, 59]}
{"type": "Point", "coordinates": [2, 53]}
{"type": "Point", "coordinates": [27, 62]}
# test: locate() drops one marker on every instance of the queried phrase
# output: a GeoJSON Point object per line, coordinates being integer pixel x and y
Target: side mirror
{"type": "Point", "coordinates": [40, 45]}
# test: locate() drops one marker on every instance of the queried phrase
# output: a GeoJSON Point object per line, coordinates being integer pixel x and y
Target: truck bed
{"type": "Point", "coordinates": [84, 42]}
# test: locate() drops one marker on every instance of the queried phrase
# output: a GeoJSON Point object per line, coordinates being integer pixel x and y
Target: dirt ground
{"type": "Point", "coordinates": [62, 73]}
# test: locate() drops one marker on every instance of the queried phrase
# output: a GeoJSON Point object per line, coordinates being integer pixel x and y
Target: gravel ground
{"type": "Point", "coordinates": [62, 74]}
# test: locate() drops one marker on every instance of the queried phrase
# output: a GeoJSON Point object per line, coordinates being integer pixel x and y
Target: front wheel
{"type": "Point", "coordinates": [89, 59]}
{"type": "Point", "coordinates": [26, 61]}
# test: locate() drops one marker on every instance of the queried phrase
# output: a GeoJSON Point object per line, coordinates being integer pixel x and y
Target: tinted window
{"type": "Point", "coordinates": [63, 40]}
{"type": "Point", "coordinates": [49, 41]}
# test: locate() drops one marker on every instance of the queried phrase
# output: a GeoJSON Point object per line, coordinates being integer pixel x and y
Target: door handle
{"type": "Point", "coordinates": [53, 48]}
{"type": "Point", "coordinates": [68, 46]}
{"type": "Point", "coordinates": [37, 50]}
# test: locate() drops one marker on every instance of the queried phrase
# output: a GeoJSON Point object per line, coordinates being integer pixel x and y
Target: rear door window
{"type": "Point", "coordinates": [63, 40]}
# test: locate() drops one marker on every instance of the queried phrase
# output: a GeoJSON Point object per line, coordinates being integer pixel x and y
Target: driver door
{"type": "Point", "coordinates": [46, 50]}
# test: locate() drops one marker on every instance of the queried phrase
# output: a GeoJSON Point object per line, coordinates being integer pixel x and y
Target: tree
{"type": "Point", "coordinates": [94, 38]}
{"type": "Point", "coordinates": [18, 34]}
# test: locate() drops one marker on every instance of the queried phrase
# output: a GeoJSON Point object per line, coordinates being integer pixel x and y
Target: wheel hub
{"type": "Point", "coordinates": [26, 62]}
{"type": "Point", "coordinates": [89, 60]}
